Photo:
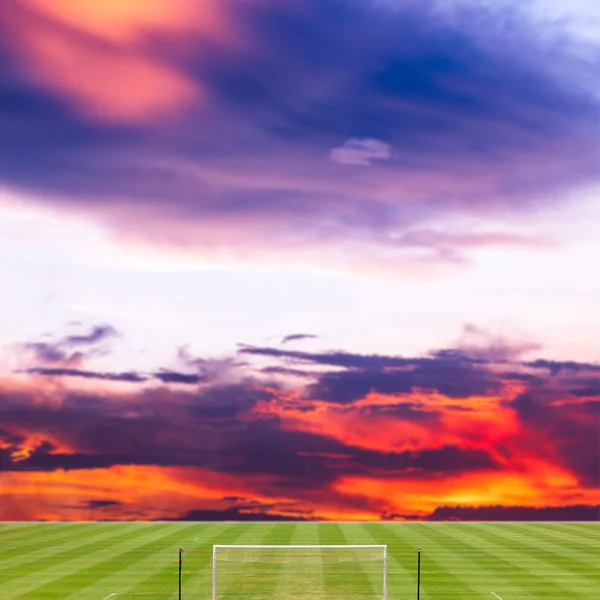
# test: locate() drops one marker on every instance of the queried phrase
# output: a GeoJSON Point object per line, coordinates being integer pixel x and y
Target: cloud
{"type": "Point", "coordinates": [555, 367]}
{"type": "Point", "coordinates": [109, 436]}
{"type": "Point", "coordinates": [481, 344]}
{"type": "Point", "coordinates": [516, 513]}
{"type": "Point", "coordinates": [333, 358]}
{"type": "Point", "coordinates": [71, 350]}
{"type": "Point", "coordinates": [235, 514]}
{"type": "Point", "coordinates": [130, 377]}
{"type": "Point", "coordinates": [284, 371]}
{"type": "Point", "coordinates": [298, 337]}
{"type": "Point", "coordinates": [174, 377]}
{"type": "Point", "coordinates": [97, 334]}
{"type": "Point", "coordinates": [102, 503]}
{"type": "Point", "coordinates": [573, 426]}
{"type": "Point", "coordinates": [198, 123]}
{"type": "Point", "coordinates": [214, 369]}
{"type": "Point", "coordinates": [366, 435]}
{"type": "Point", "coordinates": [361, 152]}
{"type": "Point", "coordinates": [59, 47]}
{"type": "Point", "coordinates": [454, 374]}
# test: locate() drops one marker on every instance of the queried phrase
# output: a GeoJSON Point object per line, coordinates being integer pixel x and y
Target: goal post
{"type": "Point", "coordinates": [299, 572]}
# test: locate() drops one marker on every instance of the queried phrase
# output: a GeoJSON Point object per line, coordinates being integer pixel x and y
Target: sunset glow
{"type": "Point", "coordinates": [317, 259]}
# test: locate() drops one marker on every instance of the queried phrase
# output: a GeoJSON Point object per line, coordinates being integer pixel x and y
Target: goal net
{"type": "Point", "coordinates": [299, 572]}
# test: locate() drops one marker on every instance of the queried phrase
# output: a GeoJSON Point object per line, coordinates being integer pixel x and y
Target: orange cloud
{"type": "Point", "coordinates": [479, 422]}
{"type": "Point", "coordinates": [542, 485]}
{"type": "Point", "coordinates": [147, 491]}
{"type": "Point", "coordinates": [97, 55]}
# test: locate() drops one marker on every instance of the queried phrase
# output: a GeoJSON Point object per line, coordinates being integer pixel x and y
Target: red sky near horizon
{"type": "Point", "coordinates": [315, 259]}
{"type": "Point", "coordinates": [236, 442]}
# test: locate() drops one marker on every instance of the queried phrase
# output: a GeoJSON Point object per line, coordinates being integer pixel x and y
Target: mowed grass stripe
{"type": "Point", "coordinates": [437, 577]}
{"type": "Point", "coordinates": [356, 533]}
{"type": "Point", "coordinates": [360, 583]}
{"type": "Point", "coordinates": [196, 563]}
{"type": "Point", "coordinates": [45, 563]}
{"type": "Point", "coordinates": [586, 533]}
{"type": "Point", "coordinates": [123, 572]}
{"type": "Point", "coordinates": [155, 572]}
{"type": "Point", "coordinates": [523, 569]}
{"type": "Point", "coordinates": [332, 579]}
{"type": "Point", "coordinates": [298, 578]}
{"type": "Point", "coordinates": [254, 580]}
{"type": "Point", "coordinates": [439, 569]}
{"type": "Point", "coordinates": [402, 558]}
{"type": "Point", "coordinates": [21, 530]}
{"type": "Point", "coordinates": [482, 566]}
{"type": "Point", "coordinates": [581, 578]}
{"type": "Point", "coordinates": [308, 534]}
{"type": "Point", "coordinates": [530, 543]}
{"type": "Point", "coordinates": [556, 540]}
{"type": "Point", "coordinates": [36, 542]}
{"type": "Point", "coordinates": [473, 550]}
{"type": "Point", "coordinates": [230, 575]}
{"type": "Point", "coordinates": [91, 562]}
{"type": "Point", "coordinates": [158, 562]}
{"type": "Point", "coordinates": [70, 563]}
{"type": "Point", "coordinates": [267, 588]}
{"type": "Point", "coordinates": [589, 530]}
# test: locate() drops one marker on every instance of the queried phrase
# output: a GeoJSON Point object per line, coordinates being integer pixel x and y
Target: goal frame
{"type": "Point", "coordinates": [382, 547]}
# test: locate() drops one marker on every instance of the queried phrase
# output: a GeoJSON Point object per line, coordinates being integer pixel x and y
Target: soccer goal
{"type": "Point", "coordinates": [264, 572]}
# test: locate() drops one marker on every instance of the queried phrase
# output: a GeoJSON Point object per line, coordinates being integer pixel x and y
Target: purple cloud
{"type": "Point", "coordinates": [298, 337]}
{"type": "Point", "coordinates": [71, 349]}
{"type": "Point", "coordinates": [482, 117]}
{"type": "Point", "coordinates": [516, 513]}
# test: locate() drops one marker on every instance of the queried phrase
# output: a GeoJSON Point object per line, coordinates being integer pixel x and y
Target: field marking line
{"type": "Point", "coordinates": [110, 596]}
{"type": "Point", "coordinates": [494, 594]}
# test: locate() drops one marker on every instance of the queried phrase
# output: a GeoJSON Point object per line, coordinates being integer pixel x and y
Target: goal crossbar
{"type": "Point", "coordinates": [292, 546]}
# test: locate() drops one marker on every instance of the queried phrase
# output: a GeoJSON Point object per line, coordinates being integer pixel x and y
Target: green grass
{"type": "Point", "coordinates": [471, 561]}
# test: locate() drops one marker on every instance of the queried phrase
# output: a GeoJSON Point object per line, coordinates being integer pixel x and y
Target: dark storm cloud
{"type": "Point", "coordinates": [450, 372]}
{"type": "Point", "coordinates": [573, 429]}
{"type": "Point", "coordinates": [516, 513]}
{"type": "Point", "coordinates": [373, 57]}
{"type": "Point", "coordinates": [213, 429]}
{"type": "Point", "coordinates": [332, 359]}
{"type": "Point", "coordinates": [235, 514]}
{"type": "Point", "coordinates": [249, 429]}
{"type": "Point", "coordinates": [451, 98]}
{"type": "Point", "coordinates": [453, 380]}
{"type": "Point", "coordinates": [174, 377]}
{"type": "Point", "coordinates": [556, 367]}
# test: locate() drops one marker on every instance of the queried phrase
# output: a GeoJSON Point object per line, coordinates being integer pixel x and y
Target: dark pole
{"type": "Point", "coordinates": [180, 557]}
{"type": "Point", "coordinates": [418, 573]}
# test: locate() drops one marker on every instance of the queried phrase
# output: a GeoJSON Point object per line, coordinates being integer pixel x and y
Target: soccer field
{"type": "Point", "coordinates": [100, 561]}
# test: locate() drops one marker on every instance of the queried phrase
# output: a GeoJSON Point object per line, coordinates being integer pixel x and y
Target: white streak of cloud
{"type": "Point", "coordinates": [361, 151]}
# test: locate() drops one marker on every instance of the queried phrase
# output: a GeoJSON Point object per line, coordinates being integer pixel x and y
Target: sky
{"type": "Point", "coordinates": [313, 259]}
